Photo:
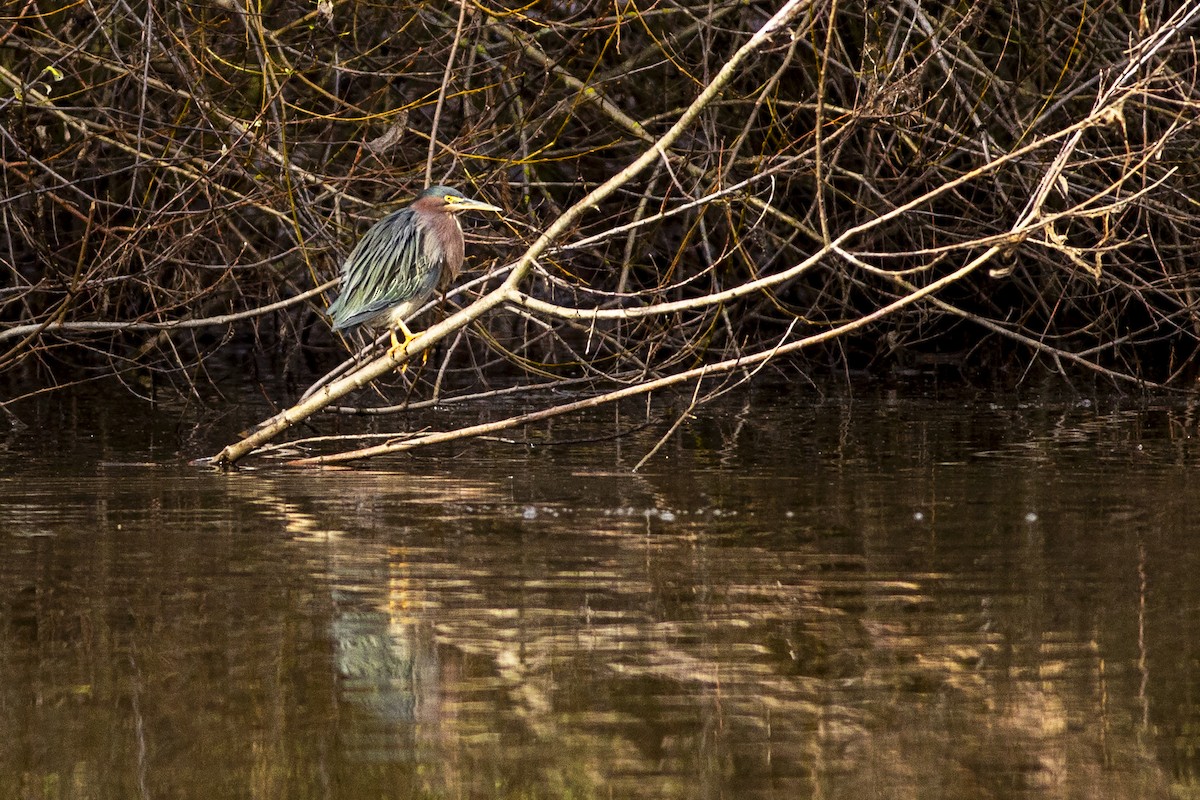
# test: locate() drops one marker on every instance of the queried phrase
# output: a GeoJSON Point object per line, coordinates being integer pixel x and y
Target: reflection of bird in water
{"type": "Point", "coordinates": [382, 667]}
{"type": "Point", "coordinates": [401, 260]}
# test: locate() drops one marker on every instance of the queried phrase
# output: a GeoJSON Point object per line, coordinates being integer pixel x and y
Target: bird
{"type": "Point", "coordinates": [401, 260]}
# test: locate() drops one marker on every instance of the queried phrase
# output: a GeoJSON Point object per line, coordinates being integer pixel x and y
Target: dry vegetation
{"type": "Point", "coordinates": [995, 184]}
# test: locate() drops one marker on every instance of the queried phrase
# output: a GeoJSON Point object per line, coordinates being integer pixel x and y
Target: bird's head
{"type": "Point", "coordinates": [443, 198]}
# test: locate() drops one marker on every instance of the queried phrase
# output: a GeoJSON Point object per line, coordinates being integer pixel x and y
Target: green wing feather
{"type": "Point", "coordinates": [387, 267]}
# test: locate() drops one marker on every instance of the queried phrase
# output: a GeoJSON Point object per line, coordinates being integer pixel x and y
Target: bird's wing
{"type": "Point", "coordinates": [388, 266]}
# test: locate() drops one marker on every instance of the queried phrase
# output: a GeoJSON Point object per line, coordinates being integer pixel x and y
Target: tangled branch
{"type": "Point", "coordinates": [713, 189]}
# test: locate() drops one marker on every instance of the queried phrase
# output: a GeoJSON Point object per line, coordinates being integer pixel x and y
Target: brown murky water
{"type": "Point", "coordinates": [798, 598]}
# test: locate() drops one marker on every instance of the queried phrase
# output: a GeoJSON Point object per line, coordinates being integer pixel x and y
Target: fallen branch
{"type": "Point", "coordinates": [507, 291]}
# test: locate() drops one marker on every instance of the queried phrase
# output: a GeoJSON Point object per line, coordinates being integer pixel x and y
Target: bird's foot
{"type": "Point", "coordinates": [399, 348]}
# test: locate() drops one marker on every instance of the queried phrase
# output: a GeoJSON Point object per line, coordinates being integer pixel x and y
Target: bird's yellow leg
{"type": "Point", "coordinates": [399, 347]}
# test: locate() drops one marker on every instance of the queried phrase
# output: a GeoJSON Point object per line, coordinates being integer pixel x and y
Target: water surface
{"type": "Point", "coordinates": [797, 597]}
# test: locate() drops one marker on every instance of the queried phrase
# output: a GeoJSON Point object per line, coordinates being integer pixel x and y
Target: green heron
{"type": "Point", "coordinates": [401, 260]}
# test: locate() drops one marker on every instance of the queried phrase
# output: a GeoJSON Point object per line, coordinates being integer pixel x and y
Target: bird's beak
{"type": "Point", "coordinates": [466, 204]}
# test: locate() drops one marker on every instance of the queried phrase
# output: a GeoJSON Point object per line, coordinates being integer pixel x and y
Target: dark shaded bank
{"type": "Point", "coordinates": [181, 183]}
